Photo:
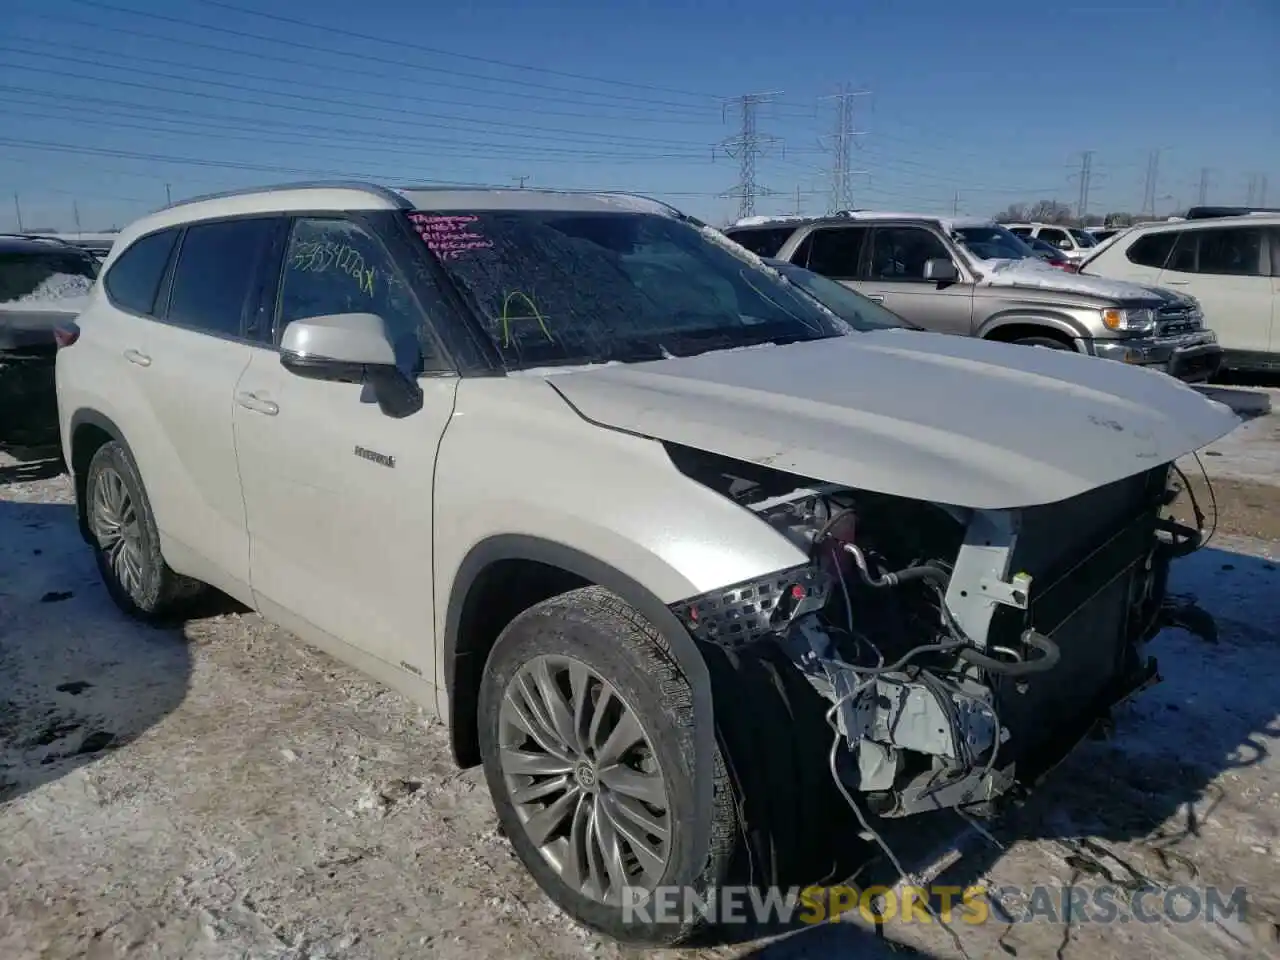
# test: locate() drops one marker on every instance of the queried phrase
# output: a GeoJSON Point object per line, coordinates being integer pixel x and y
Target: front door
{"type": "Point", "coordinates": [895, 277]}
{"type": "Point", "coordinates": [1223, 268]}
{"type": "Point", "coordinates": [339, 495]}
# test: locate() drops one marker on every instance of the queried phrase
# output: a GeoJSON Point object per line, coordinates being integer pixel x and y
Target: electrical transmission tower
{"type": "Point", "coordinates": [746, 147]}
{"type": "Point", "coordinates": [1149, 193]}
{"type": "Point", "coordinates": [1257, 193]}
{"type": "Point", "coordinates": [1086, 173]}
{"type": "Point", "coordinates": [1202, 191]}
{"type": "Point", "coordinates": [841, 147]}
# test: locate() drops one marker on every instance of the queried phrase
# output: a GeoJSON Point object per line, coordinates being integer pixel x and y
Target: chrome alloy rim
{"type": "Point", "coordinates": [114, 521]}
{"type": "Point", "coordinates": [584, 778]}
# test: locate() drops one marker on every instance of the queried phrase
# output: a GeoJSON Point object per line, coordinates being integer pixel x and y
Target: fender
{"type": "Point", "coordinates": [680, 643]}
{"type": "Point", "coordinates": [1063, 325]}
{"type": "Point", "coordinates": [86, 416]}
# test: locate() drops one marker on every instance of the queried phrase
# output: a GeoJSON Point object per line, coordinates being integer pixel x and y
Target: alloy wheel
{"type": "Point", "coordinates": [114, 521]}
{"type": "Point", "coordinates": [584, 778]}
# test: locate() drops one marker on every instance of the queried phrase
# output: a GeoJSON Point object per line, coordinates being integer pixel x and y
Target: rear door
{"type": "Point", "coordinates": [1228, 270]}
{"type": "Point", "coordinates": [190, 365]}
{"type": "Point", "coordinates": [894, 276]}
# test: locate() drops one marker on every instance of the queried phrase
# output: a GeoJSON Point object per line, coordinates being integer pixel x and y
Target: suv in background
{"type": "Point", "coordinates": [43, 283]}
{"type": "Point", "coordinates": [974, 278]}
{"type": "Point", "coordinates": [630, 510]}
{"type": "Point", "coordinates": [1072, 241]}
{"type": "Point", "coordinates": [1230, 265]}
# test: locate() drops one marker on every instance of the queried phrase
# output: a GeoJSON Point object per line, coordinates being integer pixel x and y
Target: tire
{"type": "Point", "coordinates": [126, 543]}
{"type": "Point", "coordinates": [761, 829]}
{"type": "Point", "coordinates": [1051, 343]}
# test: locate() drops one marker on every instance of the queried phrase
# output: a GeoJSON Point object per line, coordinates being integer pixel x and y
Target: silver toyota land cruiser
{"type": "Point", "coordinates": [974, 278]}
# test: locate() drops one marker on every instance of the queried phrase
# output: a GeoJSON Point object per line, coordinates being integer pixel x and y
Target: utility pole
{"type": "Point", "coordinates": [841, 147]}
{"type": "Point", "coordinates": [955, 204]}
{"type": "Point", "coordinates": [1252, 190]}
{"type": "Point", "coordinates": [799, 211]}
{"type": "Point", "coordinates": [1202, 191]}
{"type": "Point", "coordinates": [746, 147]}
{"type": "Point", "coordinates": [1262, 190]}
{"type": "Point", "coordinates": [75, 212]}
{"type": "Point", "coordinates": [1149, 194]}
{"type": "Point", "coordinates": [17, 207]}
{"type": "Point", "coordinates": [1086, 173]}
{"type": "Point", "coordinates": [520, 180]}
{"type": "Point", "coordinates": [168, 195]}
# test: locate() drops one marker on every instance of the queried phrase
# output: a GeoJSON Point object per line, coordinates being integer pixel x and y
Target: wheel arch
{"type": "Point", "coordinates": [88, 430]}
{"type": "Point", "coordinates": [1011, 326]}
{"type": "Point", "coordinates": [464, 649]}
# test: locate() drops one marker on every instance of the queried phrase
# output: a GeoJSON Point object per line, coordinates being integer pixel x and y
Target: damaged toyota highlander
{"type": "Point", "coordinates": [706, 579]}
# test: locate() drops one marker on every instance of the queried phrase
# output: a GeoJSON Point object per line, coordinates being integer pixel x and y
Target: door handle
{"type": "Point", "coordinates": [875, 297]}
{"type": "Point", "coordinates": [1177, 283]}
{"type": "Point", "coordinates": [255, 403]}
{"type": "Point", "coordinates": [138, 357]}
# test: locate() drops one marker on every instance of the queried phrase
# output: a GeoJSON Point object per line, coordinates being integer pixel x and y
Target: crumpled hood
{"type": "Point", "coordinates": [1038, 275]}
{"type": "Point", "coordinates": [946, 419]}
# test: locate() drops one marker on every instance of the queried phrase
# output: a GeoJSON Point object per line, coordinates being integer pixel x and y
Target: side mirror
{"type": "Point", "coordinates": [350, 348]}
{"type": "Point", "coordinates": [940, 270]}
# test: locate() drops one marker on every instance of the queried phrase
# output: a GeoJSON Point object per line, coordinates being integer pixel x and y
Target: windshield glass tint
{"type": "Point", "coordinates": [1084, 238]}
{"type": "Point", "coordinates": [556, 287]}
{"type": "Point", "coordinates": [28, 277]}
{"type": "Point", "coordinates": [993, 243]}
{"type": "Point", "coordinates": [853, 308]}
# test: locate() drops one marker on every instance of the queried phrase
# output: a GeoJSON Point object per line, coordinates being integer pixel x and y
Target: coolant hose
{"type": "Point", "coordinates": [1048, 659]}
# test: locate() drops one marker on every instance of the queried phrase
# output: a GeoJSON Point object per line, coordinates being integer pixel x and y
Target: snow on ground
{"type": "Point", "coordinates": [221, 791]}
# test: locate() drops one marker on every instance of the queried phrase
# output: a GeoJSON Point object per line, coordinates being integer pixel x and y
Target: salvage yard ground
{"type": "Point", "coordinates": [221, 791]}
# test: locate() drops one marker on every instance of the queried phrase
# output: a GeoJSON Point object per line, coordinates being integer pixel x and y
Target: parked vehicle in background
{"type": "Point", "coordinates": [853, 308]}
{"type": "Point", "coordinates": [1231, 266]}
{"type": "Point", "coordinates": [1050, 254]}
{"type": "Point", "coordinates": [631, 511]}
{"type": "Point", "coordinates": [975, 278]}
{"type": "Point", "coordinates": [43, 283]}
{"type": "Point", "coordinates": [763, 236]}
{"type": "Point", "coordinates": [1213, 213]}
{"type": "Point", "coordinates": [1100, 234]}
{"type": "Point", "coordinates": [1072, 241]}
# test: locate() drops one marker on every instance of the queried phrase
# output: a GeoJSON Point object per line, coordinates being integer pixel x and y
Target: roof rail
{"type": "Point", "coordinates": [372, 189]}
{"type": "Point", "coordinates": [38, 236]}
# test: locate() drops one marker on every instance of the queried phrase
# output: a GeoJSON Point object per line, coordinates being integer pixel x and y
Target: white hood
{"type": "Point", "coordinates": [1037, 274]}
{"type": "Point", "coordinates": [947, 419]}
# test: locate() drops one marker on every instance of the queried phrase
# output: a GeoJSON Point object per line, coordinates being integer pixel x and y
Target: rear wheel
{"type": "Point", "coordinates": [125, 539]}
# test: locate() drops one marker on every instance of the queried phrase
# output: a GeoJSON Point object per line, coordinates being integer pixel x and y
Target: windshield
{"type": "Point", "coordinates": [1083, 238]}
{"type": "Point", "coordinates": [853, 308]}
{"type": "Point", "coordinates": [993, 242]}
{"type": "Point", "coordinates": [26, 277]}
{"type": "Point", "coordinates": [560, 287]}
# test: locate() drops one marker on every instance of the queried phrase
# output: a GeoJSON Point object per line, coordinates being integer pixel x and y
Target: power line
{"type": "Point", "coordinates": [841, 146]}
{"type": "Point", "coordinates": [748, 145]}
{"type": "Point", "coordinates": [363, 56]}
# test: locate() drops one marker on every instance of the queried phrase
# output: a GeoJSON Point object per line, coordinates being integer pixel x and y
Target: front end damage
{"type": "Point", "coordinates": [963, 652]}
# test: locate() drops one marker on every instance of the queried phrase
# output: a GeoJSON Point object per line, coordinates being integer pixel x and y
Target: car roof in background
{"type": "Point", "coordinates": [847, 216]}
{"type": "Point", "coordinates": [26, 243]}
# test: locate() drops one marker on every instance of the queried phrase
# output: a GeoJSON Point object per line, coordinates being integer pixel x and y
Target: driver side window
{"type": "Point", "coordinates": [900, 253]}
{"type": "Point", "coordinates": [335, 266]}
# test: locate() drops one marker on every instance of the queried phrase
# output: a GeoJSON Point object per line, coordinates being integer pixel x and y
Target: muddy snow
{"type": "Point", "coordinates": [222, 791]}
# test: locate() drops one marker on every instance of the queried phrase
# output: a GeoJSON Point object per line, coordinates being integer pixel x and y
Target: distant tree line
{"type": "Point", "coordinates": [1052, 211]}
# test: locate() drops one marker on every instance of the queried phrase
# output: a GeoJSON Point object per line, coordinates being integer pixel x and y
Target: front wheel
{"type": "Point", "coordinates": [1049, 343]}
{"type": "Point", "coordinates": [586, 727]}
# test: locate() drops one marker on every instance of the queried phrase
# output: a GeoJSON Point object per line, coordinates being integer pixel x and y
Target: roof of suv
{"type": "Point", "coordinates": [342, 196]}
{"type": "Point", "coordinates": [947, 223]}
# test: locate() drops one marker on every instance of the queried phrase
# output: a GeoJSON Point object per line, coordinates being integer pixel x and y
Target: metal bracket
{"type": "Point", "coordinates": [979, 581]}
{"type": "Point", "coordinates": [1011, 593]}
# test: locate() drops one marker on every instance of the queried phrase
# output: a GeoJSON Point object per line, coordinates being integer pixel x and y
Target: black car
{"type": "Point", "coordinates": [42, 286]}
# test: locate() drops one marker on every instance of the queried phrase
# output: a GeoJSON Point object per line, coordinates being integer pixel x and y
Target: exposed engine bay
{"type": "Point", "coordinates": [959, 649]}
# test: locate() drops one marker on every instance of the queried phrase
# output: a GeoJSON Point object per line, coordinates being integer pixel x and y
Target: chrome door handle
{"type": "Point", "coordinates": [138, 357]}
{"type": "Point", "coordinates": [1177, 283]}
{"type": "Point", "coordinates": [875, 297]}
{"type": "Point", "coordinates": [255, 403]}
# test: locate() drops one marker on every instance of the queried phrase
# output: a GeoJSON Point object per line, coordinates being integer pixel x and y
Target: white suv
{"type": "Point", "coordinates": [1230, 265]}
{"type": "Point", "coordinates": [1075, 244]}
{"type": "Point", "coordinates": [630, 511]}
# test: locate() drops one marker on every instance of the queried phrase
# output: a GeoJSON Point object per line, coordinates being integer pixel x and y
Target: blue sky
{"type": "Point", "coordinates": [110, 106]}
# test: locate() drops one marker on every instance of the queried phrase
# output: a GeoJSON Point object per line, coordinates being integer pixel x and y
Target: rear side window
{"type": "Point", "coordinates": [134, 279]}
{"type": "Point", "coordinates": [1020, 231]}
{"type": "Point", "coordinates": [1231, 251]}
{"type": "Point", "coordinates": [836, 251]}
{"type": "Point", "coordinates": [763, 243]}
{"type": "Point", "coordinates": [1055, 236]}
{"type": "Point", "coordinates": [216, 267]}
{"type": "Point", "coordinates": [1152, 250]}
